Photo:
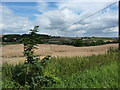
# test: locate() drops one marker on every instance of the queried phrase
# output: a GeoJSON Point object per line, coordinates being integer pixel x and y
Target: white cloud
{"type": "Point", "coordinates": [80, 32]}
{"type": "Point", "coordinates": [61, 19]}
{"type": "Point", "coordinates": [74, 27]}
{"type": "Point", "coordinates": [42, 6]}
{"type": "Point", "coordinates": [67, 13]}
{"type": "Point", "coordinates": [42, 21]}
{"type": "Point", "coordinates": [80, 7]}
{"type": "Point", "coordinates": [13, 24]}
{"type": "Point", "coordinates": [111, 30]}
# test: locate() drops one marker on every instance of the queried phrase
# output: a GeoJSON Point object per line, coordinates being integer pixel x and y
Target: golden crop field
{"type": "Point", "coordinates": [14, 53]}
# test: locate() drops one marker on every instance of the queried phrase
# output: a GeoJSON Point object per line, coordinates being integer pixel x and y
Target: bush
{"type": "Point", "coordinates": [30, 75]}
{"type": "Point", "coordinates": [25, 76]}
{"type": "Point", "coordinates": [92, 44]}
{"type": "Point", "coordinates": [7, 74]}
{"type": "Point", "coordinates": [31, 72]}
{"type": "Point", "coordinates": [78, 43]}
{"type": "Point", "coordinates": [100, 42]}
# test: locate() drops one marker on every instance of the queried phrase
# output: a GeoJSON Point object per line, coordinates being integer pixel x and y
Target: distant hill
{"type": "Point", "coordinates": [48, 39]}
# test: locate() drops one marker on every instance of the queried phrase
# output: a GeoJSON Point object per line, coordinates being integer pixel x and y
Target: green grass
{"type": "Point", "coordinates": [103, 77]}
{"type": "Point", "coordinates": [85, 72]}
{"type": "Point", "coordinates": [99, 71]}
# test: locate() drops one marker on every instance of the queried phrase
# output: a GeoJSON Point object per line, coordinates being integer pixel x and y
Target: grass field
{"type": "Point", "coordinates": [97, 71]}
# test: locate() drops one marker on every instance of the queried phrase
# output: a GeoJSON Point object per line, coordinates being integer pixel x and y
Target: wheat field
{"type": "Point", "coordinates": [14, 53]}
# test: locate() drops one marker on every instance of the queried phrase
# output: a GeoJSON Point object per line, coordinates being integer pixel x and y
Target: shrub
{"type": "Point", "coordinates": [92, 44]}
{"type": "Point", "coordinates": [7, 74]}
{"type": "Point", "coordinates": [30, 75]}
{"type": "Point", "coordinates": [78, 42]}
{"type": "Point", "coordinates": [100, 42]}
{"type": "Point", "coordinates": [31, 72]}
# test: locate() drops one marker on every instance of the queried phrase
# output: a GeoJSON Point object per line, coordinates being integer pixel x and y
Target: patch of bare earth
{"type": "Point", "coordinates": [14, 53]}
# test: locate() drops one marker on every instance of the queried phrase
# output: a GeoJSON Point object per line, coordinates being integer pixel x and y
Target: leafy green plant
{"type": "Point", "coordinates": [30, 44]}
{"type": "Point", "coordinates": [30, 73]}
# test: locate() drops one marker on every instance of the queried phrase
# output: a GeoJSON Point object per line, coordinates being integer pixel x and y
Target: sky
{"type": "Point", "coordinates": [60, 18]}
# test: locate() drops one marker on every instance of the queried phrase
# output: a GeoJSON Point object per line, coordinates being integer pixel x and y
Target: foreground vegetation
{"type": "Point", "coordinates": [99, 71]}
{"type": "Point", "coordinates": [86, 72]}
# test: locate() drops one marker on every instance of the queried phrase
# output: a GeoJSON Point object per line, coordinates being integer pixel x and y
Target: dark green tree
{"type": "Point", "coordinates": [31, 73]}
{"type": "Point", "coordinates": [78, 43]}
{"type": "Point", "coordinates": [30, 44]}
{"type": "Point", "coordinates": [100, 42]}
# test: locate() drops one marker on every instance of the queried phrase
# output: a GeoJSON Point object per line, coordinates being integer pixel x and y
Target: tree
{"type": "Point", "coordinates": [100, 42]}
{"type": "Point", "coordinates": [78, 42]}
{"type": "Point", "coordinates": [32, 70]}
{"type": "Point", "coordinates": [30, 44]}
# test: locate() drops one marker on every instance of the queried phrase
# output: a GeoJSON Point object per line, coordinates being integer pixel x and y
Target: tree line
{"type": "Point", "coordinates": [48, 39]}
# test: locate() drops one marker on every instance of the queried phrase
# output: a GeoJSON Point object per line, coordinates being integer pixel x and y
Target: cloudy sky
{"type": "Point", "coordinates": [60, 18]}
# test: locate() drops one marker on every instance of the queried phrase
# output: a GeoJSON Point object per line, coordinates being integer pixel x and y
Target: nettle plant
{"type": "Point", "coordinates": [31, 74]}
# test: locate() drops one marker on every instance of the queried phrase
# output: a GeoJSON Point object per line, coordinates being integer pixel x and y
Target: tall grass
{"type": "Point", "coordinates": [7, 81]}
{"type": "Point", "coordinates": [103, 77]}
{"type": "Point", "coordinates": [69, 65]}
{"type": "Point", "coordinates": [97, 71]}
